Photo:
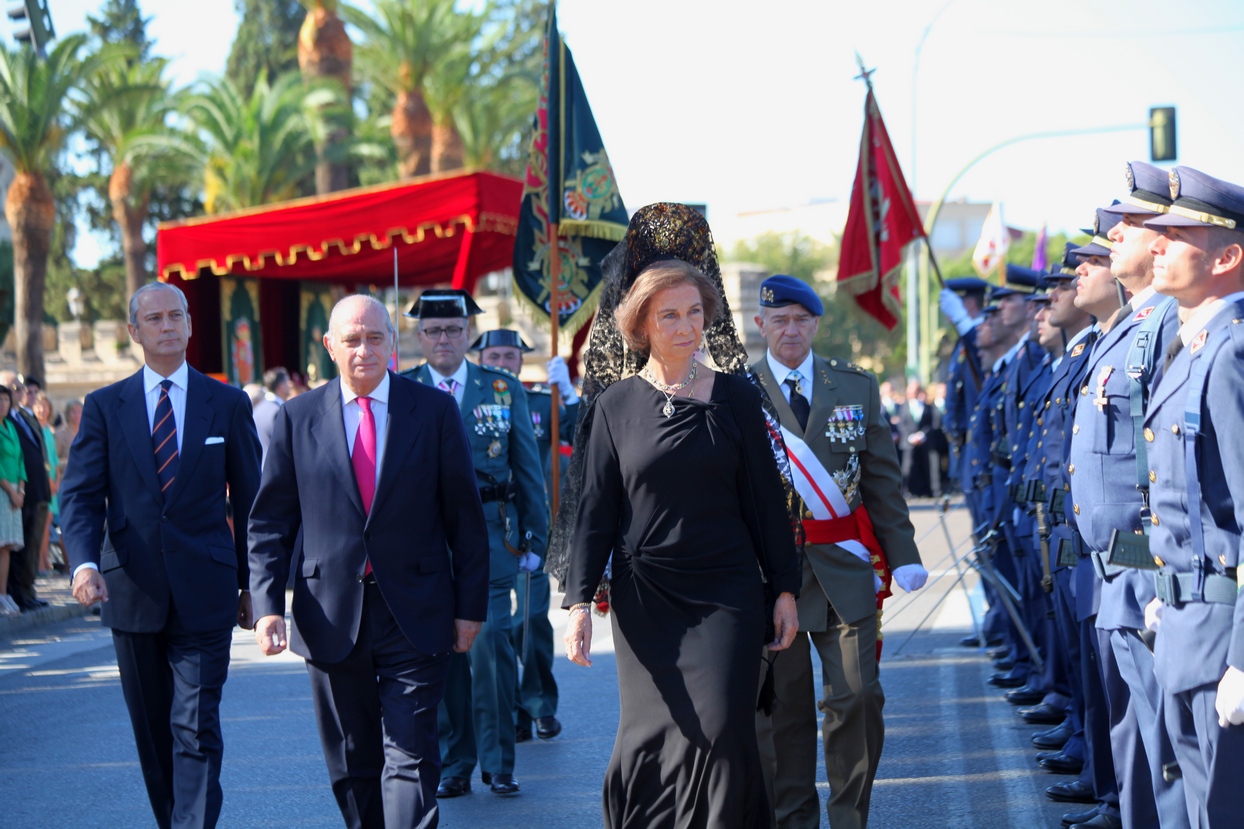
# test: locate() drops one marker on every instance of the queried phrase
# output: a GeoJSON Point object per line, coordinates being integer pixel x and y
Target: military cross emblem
{"type": "Point", "coordinates": [845, 424]}
{"type": "Point", "coordinates": [1101, 401]}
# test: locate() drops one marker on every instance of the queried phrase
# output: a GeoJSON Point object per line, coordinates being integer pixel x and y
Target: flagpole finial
{"type": "Point", "coordinates": [865, 74]}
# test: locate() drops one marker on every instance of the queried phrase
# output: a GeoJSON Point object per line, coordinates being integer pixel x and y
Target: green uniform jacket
{"type": "Point", "coordinates": [503, 445]}
{"type": "Point", "coordinates": [829, 572]}
{"type": "Point", "coordinates": [540, 399]}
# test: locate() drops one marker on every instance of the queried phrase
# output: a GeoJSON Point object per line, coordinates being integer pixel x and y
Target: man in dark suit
{"type": "Point", "coordinates": [151, 463]}
{"type": "Point", "coordinates": [24, 563]}
{"type": "Point", "coordinates": [375, 470]}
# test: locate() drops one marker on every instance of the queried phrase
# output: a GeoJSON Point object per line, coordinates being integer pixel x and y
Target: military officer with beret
{"type": "Point", "coordinates": [1112, 491]}
{"type": "Point", "coordinates": [830, 413]}
{"type": "Point", "coordinates": [531, 631]}
{"type": "Point", "coordinates": [477, 713]}
{"type": "Point", "coordinates": [1191, 432]}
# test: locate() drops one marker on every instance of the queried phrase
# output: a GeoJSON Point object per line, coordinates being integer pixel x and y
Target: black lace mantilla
{"type": "Point", "coordinates": [659, 231]}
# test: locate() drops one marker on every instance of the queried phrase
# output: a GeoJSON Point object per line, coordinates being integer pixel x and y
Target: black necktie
{"type": "Point", "coordinates": [1124, 313]}
{"type": "Point", "coordinates": [164, 438]}
{"type": "Point", "coordinates": [1176, 346]}
{"type": "Point", "coordinates": [798, 403]}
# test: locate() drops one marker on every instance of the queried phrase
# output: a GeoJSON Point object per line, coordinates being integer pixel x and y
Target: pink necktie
{"type": "Point", "coordinates": [364, 459]}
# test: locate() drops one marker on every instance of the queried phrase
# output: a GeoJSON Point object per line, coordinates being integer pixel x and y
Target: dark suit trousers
{"type": "Point", "coordinates": [24, 563]}
{"type": "Point", "coordinates": [172, 683]}
{"type": "Point", "coordinates": [376, 712]}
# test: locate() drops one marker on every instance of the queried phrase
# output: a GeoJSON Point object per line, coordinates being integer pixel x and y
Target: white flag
{"type": "Point", "coordinates": [991, 249]}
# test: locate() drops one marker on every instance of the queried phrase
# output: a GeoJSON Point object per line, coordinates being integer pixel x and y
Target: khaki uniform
{"type": "Point", "coordinates": [838, 610]}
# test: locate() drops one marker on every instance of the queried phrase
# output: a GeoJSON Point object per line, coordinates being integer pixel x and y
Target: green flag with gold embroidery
{"type": "Point", "coordinates": [569, 183]}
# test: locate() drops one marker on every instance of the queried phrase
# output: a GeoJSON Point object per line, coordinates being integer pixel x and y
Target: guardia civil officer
{"type": "Point", "coordinates": [477, 713]}
{"type": "Point", "coordinates": [830, 414]}
{"type": "Point", "coordinates": [531, 631]}
{"type": "Point", "coordinates": [1192, 431]}
{"type": "Point", "coordinates": [1109, 479]}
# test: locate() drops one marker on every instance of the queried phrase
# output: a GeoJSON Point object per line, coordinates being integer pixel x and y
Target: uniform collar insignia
{"type": "Point", "coordinates": [1143, 313]}
{"type": "Point", "coordinates": [1078, 350]}
{"type": "Point", "coordinates": [1198, 341]}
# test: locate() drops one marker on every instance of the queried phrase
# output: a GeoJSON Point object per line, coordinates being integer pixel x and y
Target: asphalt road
{"type": "Point", "coordinates": [956, 754]}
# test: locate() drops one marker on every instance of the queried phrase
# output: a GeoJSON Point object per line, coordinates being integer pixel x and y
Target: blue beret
{"type": "Point", "coordinates": [500, 338]}
{"type": "Point", "coordinates": [781, 290]}
{"type": "Point", "coordinates": [1200, 200]}
{"type": "Point", "coordinates": [967, 285]}
{"type": "Point", "coordinates": [1148, 191]}
{"type": "Point", "coordinates": [1100, 245]}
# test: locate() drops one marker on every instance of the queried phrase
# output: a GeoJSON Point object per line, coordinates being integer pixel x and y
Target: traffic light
{"type": "Point", "coordinates": [38, 30]}
{"type": "Point", "coordinates": [1162, 134]}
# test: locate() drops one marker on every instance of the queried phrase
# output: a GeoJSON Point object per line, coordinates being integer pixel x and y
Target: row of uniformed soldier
{"type": "Point", "coordinates": [1090, 442]}
{"type": "Point", "coordinates": [487, 706]}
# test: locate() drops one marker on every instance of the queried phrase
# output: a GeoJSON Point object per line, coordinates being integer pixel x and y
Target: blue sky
{"type": "Point", "coordinates": [748, 110]}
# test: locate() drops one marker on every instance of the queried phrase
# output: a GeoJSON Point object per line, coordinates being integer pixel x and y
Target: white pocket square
{"type": "Point", "coordinates": [210, 441]}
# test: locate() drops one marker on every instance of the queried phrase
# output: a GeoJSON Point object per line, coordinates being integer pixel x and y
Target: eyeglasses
{"type": "Point", "coordinates": [454, 332]}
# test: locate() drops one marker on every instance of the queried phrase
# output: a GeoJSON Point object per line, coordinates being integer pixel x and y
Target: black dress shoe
{"type": "Point", "coordinates": [1004, 664]}
{"type": "Point", "coordinates": [1074, 791]}
{"type": "Point", "coordinates": [548, 727]}
{"type": "Point", "coordinates": [973, 642]}
{"type": "Point", "coordinates": [521, 734]}
{"type": "Point", "coordinates": [1100, 822]}
{"type": "Point", "coordinates": [1079, 817]}
{"type": "Point", "coordinates": [1001, 680]}
{"type": "Point", "coordinates": [453, 787]}
{"type": "Point", "coordinates": [1062, 764]}
{"type": "Point", "coordinates": [1043, 714]}
{"type": "Point", "coordinates": [1025, 696]}
{"type": "Point", "coordinates": [1003, 652]}
{"type": "Point", "coordinates": [1045, 755]}
{"type": "Point", "coordinates": [1053, 738]}
{"type": "Point", "coordinates": [503, 784]}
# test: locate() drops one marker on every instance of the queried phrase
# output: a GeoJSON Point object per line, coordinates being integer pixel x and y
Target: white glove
{"type": "Point", "coordinates": [910, 577]}
{"type": "Point", "coordinates": [1153, 615]}
{"type": "Point", "coordinates": [954, 309]}
{"type": "Point", "coordinates": [1230, 700]}
{"type": "Point", "coordinates": [528, 563]}
{"type": "Point", "coordinates": [559, 376]}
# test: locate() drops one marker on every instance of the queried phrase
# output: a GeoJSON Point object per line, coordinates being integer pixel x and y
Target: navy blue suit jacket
{"type": "Point", "coordinates": [425, 535]}
{"type": "Point", "coordinates": [152, 548]}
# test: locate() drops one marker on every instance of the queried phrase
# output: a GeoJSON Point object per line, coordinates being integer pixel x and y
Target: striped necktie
{"type": "Point", "coordinates": [450, 386]}
{"type": "Point", "coordinates": [164, 439]}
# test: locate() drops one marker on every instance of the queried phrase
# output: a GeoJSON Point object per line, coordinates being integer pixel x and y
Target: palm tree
{"type": "Point", "coordinates": [259, 150]}
{"type": "Point", "coordinates": [325, 53]}
{"type": "Point", "coordinates": [33, 126]}
{"type": "Point", "coordinates": [492, 120]}
{"type": "Point", "coordinates": [126, 109]}
{"type": "Point", "coordinates": [406, 41]}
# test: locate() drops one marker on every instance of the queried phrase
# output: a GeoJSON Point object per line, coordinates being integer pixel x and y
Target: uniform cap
{"type": "Point", "coordinates": [500, 338]}
{"type": "Point", "coordinates": [443, 303]}
{"type": "Point", "coordinates": [1200, 200]}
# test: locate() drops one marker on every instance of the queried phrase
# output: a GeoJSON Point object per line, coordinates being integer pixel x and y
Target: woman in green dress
{"type": "Point", "coordinates": [13, 483]}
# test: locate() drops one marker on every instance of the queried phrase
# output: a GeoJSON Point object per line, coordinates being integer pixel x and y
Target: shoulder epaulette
{"type": "Point", "coordinates": [538, 388]}
{"type": "Point", "coordinates": [503, 372]}
{"type": "Point", "coordinates": [843, 365]}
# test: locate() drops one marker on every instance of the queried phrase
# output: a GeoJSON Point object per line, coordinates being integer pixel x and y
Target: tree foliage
{"type": "Point", "coordinates": [266, 42]}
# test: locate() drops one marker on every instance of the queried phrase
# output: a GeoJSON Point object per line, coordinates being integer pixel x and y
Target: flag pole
{"type": "Point", "coordinates": [555, 441]}
{"type": "Point", "coordinates": [397, 316]}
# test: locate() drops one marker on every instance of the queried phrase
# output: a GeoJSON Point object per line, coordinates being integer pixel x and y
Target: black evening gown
{"type": "Point", "coordinates": [670, 498]}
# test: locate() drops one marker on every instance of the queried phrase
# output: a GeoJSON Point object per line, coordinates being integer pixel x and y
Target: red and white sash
{"type": "Point", "coordinates": [820, 493]}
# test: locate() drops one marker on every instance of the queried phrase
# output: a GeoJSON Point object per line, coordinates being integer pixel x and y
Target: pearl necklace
{"type": "Point", "coordinates": [669, 391]}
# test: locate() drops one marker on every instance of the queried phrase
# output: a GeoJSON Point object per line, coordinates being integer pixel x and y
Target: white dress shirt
{"type": "Point", "coordinates": [352, 414]}
{"type": "Point", "coordinates": [176, 396]}
{"type": "Point", "coordinates": [781, 372]}
{"type": "Point", "coordinates": [459, 377]}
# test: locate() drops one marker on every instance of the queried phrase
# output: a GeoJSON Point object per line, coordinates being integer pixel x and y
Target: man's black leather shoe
{"type": "Point", "coordinates": [453, 787]}
{"type": "Point", "coordinates": [548, 727]}
{"type": "Point", "coordinates": [1043, 714]}
{"type": "Point", "coordinates": [1025, 696]}
{"type": "Point", "coordinates": [521, 734]}
{"type": "Point", "coordinates": [1062, 764]}
{"type": "Point", "coordinates": [503, 784]}
{"type": "Point", "coordinates": [1079, 817]}
{"type": "Point", "coordinates": [1004, 663]}
{"type": "Point", "coordinates": [1003, 652]}
{"type": "Point", "coordinates": [973, 642]}
{"type": "Point", "coordinates": [1053, 738]}
{"type": "Point", "coordinates": [1100, 822]}
{"type": "Point", "coordinates": [1006, 680]}
{"type": "Point", "coordinates": [1074, 791]}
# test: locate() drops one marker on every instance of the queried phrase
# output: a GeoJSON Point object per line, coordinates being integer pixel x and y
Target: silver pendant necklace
{"type": "Point", "coordinates": [669, 391]}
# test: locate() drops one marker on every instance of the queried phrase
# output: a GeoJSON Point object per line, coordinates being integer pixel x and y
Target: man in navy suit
{"type": "Point", "coordinates": [145, 526]}
{"type": "Point", "coordinates": [376, 472]}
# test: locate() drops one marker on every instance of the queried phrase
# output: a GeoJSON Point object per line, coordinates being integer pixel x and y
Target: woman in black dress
{"type": "Point", "coordinates": [680, 485]}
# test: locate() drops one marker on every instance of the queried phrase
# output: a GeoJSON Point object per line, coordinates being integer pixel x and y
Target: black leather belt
{"type": "Point", "coordinates": [1180, 588]}
{"type": "Point", "coordinates": [500, 492]}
